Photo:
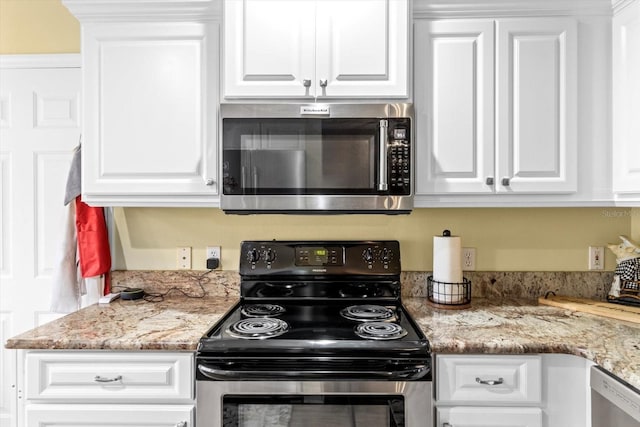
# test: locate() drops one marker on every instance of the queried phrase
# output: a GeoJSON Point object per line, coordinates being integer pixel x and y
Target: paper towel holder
{"type": "Point", "coordinates": [451, 296]}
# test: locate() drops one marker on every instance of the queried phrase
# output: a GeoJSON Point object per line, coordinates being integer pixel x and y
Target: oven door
{"type": "Point", "coordinates": [314, 403]}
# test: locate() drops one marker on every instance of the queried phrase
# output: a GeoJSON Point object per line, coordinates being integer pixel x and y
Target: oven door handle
{"type": "Point", "coordinates": [413, 373]}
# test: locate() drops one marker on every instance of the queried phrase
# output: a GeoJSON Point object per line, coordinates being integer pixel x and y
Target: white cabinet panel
{"type": "Point", "coordinates": [109, 415]}
{"type": "Point", "coordinates": [362, 48]}
{"type": "Point", "coordinates": [150, 126]}
{"type": "Point", "coordinates": [108, 376]}
{"type": "Point", "coordinates": [536, 105]}
{"type": "Point", "coordinates": [454, 102]}
{"type": "Point", "coordinates": [461, 416]}
{"type": "Point", "coordinates": [269, 48]}
{"type": "Point", "coordinates": [523, 69]}
{"type": "Point", "coordinates": [308, 48]}
{"type": "Point", "coordinates": [488, 379]}
{"type": "Point", "coordinates": [626, 99]}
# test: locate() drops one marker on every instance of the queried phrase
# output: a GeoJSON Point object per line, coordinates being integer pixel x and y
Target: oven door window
{"type": "Point", "coordinates": [300, 156]}
{"type": "Point", "coordinates": [313, 411]}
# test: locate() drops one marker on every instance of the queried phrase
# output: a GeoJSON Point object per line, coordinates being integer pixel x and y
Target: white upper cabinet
{"type": "Point", "coordinates": [626, 100]}
{"type": "Point", "coordinates": [496, 106]}
{"type": "Point", "coordinates": [309, 49]}
{"type": "Point", "coordinates": [454, 106]}
{"type": "Point", "coordinates": [536, 105]}
{"type": "Point", "coordinates": [150, 76]}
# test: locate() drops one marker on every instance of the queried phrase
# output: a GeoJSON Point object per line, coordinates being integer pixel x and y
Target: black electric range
{"type": "Point", "coordinates": [317, 309]}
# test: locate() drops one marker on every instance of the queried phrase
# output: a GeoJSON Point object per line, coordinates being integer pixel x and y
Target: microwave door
{"type": "Point", "coordinates": [277, 170]}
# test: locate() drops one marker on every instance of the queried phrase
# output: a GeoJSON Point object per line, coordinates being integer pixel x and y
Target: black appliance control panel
{"type": "Point", "coordinates": [399, 156]}
{"type": "Point", "coordinates": [320, 258]}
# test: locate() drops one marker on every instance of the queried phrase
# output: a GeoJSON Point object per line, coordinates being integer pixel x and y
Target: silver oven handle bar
{"type": "Point", "coordinates": [415, 372]}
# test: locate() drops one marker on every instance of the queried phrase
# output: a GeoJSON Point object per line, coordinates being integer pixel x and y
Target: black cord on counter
{"type": "Point", "coordinates": [200, 279]}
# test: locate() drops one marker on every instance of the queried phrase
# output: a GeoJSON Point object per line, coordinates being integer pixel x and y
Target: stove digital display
{"type": "Point", "coordinates": [319, 256]}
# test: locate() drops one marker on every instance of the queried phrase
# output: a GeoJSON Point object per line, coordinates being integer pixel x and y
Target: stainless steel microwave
{"type": "Point", "coordinates": [317, 158]}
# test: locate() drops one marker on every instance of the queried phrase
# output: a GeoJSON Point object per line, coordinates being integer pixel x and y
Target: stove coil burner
{"type": "Point", "coordinates": [380, 331]}
{"type": "Point", "coordinates": [367, 313]}
{"type": "Point", "coordinates": [262, 310]}
{"type": "Point", "coordinates": [258, 328]}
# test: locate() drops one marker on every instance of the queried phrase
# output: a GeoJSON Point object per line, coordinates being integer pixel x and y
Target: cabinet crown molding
{"type": "Point", "coordinates": [144, 10]}
{"type": "Point", "coordinates": [509, 8]}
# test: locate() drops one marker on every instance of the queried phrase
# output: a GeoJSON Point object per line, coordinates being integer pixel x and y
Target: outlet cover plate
{"type": "Point", "coordinates": [183, 258]}
{"type": "Point", "coordinates": [468, 259]}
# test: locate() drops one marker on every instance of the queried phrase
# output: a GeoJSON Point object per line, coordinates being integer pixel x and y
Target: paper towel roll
{"type": "Point", "coordinates": [447, 268]}
{"type": "Point", "coordinates": [447, 259]}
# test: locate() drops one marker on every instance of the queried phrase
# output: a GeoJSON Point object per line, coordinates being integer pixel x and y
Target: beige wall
{"type": "Point", "coordinates": [506, 239]}
{"type": "Point", "coordinates": [37, 26]}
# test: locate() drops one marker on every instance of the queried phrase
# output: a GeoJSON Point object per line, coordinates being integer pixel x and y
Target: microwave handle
{"type": "Point", "coordinates": [383, 185]}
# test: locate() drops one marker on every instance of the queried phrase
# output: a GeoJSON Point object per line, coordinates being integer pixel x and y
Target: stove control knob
{"type": "Point", "coordinates": [385, 255]}
{"type": "Point", "coordinates": [253, 255]}
{"type": "Point", "coordinates": [269, 255]}
{"type": "Point", "coordinates": [367, 255]}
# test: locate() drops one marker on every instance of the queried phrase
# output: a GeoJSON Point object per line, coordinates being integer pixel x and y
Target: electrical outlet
{"type": "Point", "coordinates": [596, 258]}
{"type": "Point", "coordinates": [183, 258]}
{"type": "Point", "coordinates": [214, 252]}
{"type": "Point", "coordinates": [468, 259]}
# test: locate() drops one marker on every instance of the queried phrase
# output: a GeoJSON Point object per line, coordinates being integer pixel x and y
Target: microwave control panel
{"type": "Point", "coordinates": [399, 160]}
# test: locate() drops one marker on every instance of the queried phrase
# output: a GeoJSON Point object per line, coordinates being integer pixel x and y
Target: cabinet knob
{"type": "Point", "coordinates": [489, 180]}
{"type": "Point", "coordinates": [447, 425]}
{"type": "Point", "coordinates": [306, 83]}
{"type": "Point", "coordinates": [182, 424]}
{"type": "Point", "coordinates": [323, 82]}
{"type": "Point", "coordinates": [490, 382]}
{"type": "Point", "coordinates": [210, 181]}
{"type": "Point", "coordinates": [505, 182]}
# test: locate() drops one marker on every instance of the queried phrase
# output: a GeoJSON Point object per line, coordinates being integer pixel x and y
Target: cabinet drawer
{"type": "Point", "coordinates": [460, 416]}
{"type": "Point", "coordinates": [45, 415]}
{"type": "Point", "coordinates": [109, 376]}
{"type": "Point", "coordinates": [488, 379]}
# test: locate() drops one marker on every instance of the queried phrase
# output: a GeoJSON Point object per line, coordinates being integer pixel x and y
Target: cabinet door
{"type": "Point", "coordinates": [454, 106]}
{"type": "Point", "coordinates": [626, 99]}
{"type": "Point", "coordinates": [150, 122]}
{"type": "Point", "coordinates": [536, 127]}
{"type": "Point", "coordinates": [49, 415]}
{"type": "Point", "coordinates": [269, 48]}
{"type": "Point", "coordinates": [362, 48]}
{"type": "Point", "coordinates": [461, 416]}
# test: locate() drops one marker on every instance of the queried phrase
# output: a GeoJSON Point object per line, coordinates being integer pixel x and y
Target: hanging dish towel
{"type": "Point", "coordinates": [85, 258]}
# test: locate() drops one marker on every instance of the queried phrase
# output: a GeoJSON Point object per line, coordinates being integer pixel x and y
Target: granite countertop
{"type": "Point", "coordinates": [177, 324]}
{"type": "Point", "coordinates": [512, 326]}
{"type": "Point", "coordinates": [509, 326]}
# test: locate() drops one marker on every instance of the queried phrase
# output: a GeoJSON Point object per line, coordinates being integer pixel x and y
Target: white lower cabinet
{"type": "Point", "coordinates": [549, 390]}
{"type": "Point", "coordinates": [43, 415]}
{"type": "Point", "coordinates": [461, 416]}
{"type": "Point", "coordinates": [100, 388]}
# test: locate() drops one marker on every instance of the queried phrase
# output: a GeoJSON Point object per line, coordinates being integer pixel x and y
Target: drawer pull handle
{"type": "Point", "coordinates": [182, 424]}
{"type": "Point", "coordinates": [100, 379]}
{"type": "Point", "coordinates": [490, 382]}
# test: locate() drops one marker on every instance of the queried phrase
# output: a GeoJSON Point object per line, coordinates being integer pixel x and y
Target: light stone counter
{"type": "Point", "coordinates": [177, 323]}
{"type": "Point", "coordinates": [523, 326]}
{"type": "Point", "coordinates": [493, 324]}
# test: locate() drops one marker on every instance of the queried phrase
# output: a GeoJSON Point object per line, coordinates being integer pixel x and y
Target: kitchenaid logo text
{"type": "Point", "coordinates": [319, 270]}
{"type": "Point", "coordinates": [314, 109]}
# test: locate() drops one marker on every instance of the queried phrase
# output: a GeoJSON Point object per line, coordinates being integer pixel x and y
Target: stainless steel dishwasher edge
{"type": "Point", "coordinates": [614, 403]}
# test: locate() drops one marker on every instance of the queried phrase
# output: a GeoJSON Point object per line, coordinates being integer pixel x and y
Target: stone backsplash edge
{"type": "Point", "coordinates": [484, 284]}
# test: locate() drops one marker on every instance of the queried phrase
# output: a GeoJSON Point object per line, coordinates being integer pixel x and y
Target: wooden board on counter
{"type": "Point", "coordinates": [600, 308]}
